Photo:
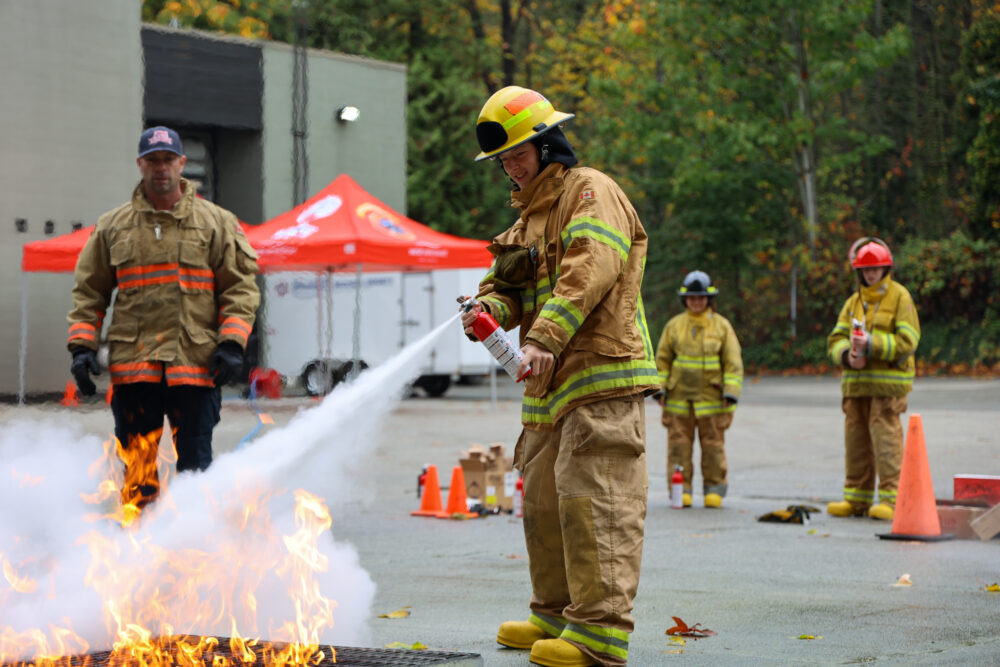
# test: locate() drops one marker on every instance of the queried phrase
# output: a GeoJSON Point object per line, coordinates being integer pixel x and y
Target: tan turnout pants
{"type": "Point", "coordinates": [585, 488]}
{"type": "Point", "coordinates": [873, 443]}
{"type": "Point", "coordinates": [712, 441]}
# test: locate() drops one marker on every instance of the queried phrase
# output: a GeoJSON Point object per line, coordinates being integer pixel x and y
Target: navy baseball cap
{"type": "Point", "coordinates": [160, 138]}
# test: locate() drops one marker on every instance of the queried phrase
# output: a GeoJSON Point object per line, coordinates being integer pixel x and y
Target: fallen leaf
{"type": "Point", "coordinates": [810, 637]}
{"type": "Point", "coordinates": [515, 556]}
{"type": "Point", "coordinates": [399, 613]}
{"type": "Point", "coordinates": [416, 646]}
{"type": "Point", "coordinates": [904, 581]}
{"type": "Point", "coordinates": [992, 588]}
{"type": "Point", "coordinates": [686, 630]}
{"type": "Point", "coordinates": [680, 641]}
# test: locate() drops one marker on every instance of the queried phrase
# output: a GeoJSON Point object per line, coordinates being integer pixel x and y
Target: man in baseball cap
{"type": "Point", "coordinates": [160, 138]}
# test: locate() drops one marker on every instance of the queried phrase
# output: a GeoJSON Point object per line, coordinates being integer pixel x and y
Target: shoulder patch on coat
{"type": "Point", "coordinates": [588, 194]}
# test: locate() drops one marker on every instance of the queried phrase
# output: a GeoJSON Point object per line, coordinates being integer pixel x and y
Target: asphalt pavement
{"type": "Point", "coordinates": [774, 594]}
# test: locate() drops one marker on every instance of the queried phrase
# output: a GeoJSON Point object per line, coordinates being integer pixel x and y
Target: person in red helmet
{"type": "Point", "coordinates": [874, 341]}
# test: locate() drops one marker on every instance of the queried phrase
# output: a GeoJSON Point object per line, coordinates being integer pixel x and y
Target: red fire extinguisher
{"type": "Point", "coordinates": [496, 340]}
{"type": "Point", "coordinates": [519, 497]}
{"type": "Point", "coordinates": [859, 338]}
{"type": "Point", "coordinates": [677, 488]}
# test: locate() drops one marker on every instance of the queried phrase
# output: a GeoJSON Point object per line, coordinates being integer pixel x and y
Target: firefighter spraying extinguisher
{"type": "Point", "coordinates": [500, 345]}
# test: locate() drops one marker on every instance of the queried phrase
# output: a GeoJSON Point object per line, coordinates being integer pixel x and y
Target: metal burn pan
{"type": "Point", "coordinates": [221, 653]}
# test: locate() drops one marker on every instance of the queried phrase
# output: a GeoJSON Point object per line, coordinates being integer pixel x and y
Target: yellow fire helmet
{"type": "Point", "coordinates": [512, 116]}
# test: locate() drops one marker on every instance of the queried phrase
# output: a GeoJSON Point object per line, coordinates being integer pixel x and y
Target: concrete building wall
{"type": "Point", "coordinates": [372, 149]}
{"type": "Point", "coordinates": [71, 109]}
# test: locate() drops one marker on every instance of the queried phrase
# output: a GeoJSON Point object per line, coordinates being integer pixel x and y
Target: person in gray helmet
{"type": "Point", "coordinates": [701, 373]}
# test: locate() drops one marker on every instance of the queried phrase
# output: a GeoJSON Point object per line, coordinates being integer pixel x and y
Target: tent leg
{"type": "Point", "coordinates": [356, 336]}
{"type": "Point", "coordinates": [23, 348]}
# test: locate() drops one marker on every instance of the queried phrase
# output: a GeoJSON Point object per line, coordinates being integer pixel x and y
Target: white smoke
{"type": "Point", "coordinates": [47, 529]}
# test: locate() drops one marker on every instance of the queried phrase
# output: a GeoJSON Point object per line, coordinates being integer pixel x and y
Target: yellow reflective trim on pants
{"type": "Point", "coordinates": [550, 624]}
{"type": "Point", "coordinates": [609, 641]}
{"type": "Point", "coordinates": [588, 381]}
{"type": "Point", "coordinates": [858, 495]}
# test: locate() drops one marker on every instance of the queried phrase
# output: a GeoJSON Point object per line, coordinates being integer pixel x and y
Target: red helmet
{"type": "Point", "coordinates": [871, 253]}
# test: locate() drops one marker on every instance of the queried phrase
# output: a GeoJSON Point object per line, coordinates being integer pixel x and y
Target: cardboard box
{"type": "Point", "coordinates": [956, 519]}
{"type": "Point", "coordinates": [489, 476]}
{"type": "Point", "coordinates": [987, 525]}
{"type": "Point", "coordinates": [984, 488]}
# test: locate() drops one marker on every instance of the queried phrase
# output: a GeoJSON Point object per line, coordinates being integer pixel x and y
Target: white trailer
{"type": "Point", "coordinates": [308, 334]}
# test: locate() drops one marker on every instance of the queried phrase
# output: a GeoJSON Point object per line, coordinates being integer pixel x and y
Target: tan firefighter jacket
{"type": "Point", "coordinates": [699, 360]}
{"type": "Point", "coordinates": [185, 281]}
{"type": "Point", "coordinates": [568, 272]}
{"type": "Point", "coordinates": [887, 310]}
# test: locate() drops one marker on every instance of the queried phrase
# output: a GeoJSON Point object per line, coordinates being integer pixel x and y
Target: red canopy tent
{"type": "Point", "coordinates": [55, 255]}
{"type": "Point", "coordinates": [342, 226]}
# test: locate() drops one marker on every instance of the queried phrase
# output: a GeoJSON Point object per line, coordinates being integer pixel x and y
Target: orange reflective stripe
{"type": "Point", "coordinates": [140, 372]}
{"type": "Point", "coordinates": [197, 278]}
{"type": "Point", "coordinates": [160, 274]}
{"type": "Point", "coordinates": [235, 326]}
{"type": "Point", "coordinates": [82, 331]}
{"type": "Point", "coordinates": [190, 375]}
{"type": "Point", "coordinates": [152, 274]}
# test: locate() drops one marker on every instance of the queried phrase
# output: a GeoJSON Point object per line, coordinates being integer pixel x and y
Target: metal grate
{"type": "Point", "coordinates": [348, 656]}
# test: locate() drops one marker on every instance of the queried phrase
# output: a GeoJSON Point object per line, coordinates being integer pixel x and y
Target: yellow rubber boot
{"type": "Point", "coordinates": [713, 500]}
{"type": "Point", "coordinates": [520, 634]}
{"type": "Point", "coordinates": [881, 512]}
{"type": "Point", "coordinates": [840, 508]}
{"type": "Point", "coordinates": [686, 499]}
{"type": "Point", "coordinates": [559, 653]}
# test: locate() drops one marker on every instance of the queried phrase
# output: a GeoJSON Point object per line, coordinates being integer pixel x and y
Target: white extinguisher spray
{"type": "Point", "coordinates": [496, 340]}
{"type": "Point", "coordinates": [677, 488]}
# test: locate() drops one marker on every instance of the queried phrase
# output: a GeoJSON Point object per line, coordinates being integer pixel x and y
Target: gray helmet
{"type": "Point", "coordinates": [697, 283]}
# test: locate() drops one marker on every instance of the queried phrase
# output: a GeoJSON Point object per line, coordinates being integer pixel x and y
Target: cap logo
{"type": "Point", "coordinates": [161, 137]}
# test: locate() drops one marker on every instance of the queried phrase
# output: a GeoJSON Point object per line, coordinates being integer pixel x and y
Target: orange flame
{"type": "Point", "coordinates": [145, 588]}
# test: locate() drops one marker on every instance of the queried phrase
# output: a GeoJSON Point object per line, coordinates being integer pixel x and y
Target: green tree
{"type": "Point", "coordinates": [981, 109]}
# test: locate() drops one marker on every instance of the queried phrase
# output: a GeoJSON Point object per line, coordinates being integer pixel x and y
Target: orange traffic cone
{"type": "Point", "coordinates": [458, 506]}
{"type": "Point", "coordinates": [70, 398]}
{"type": "Point", "coordinates": [916, 516]}
{"type": "Point", "coordinates": [430, 502]}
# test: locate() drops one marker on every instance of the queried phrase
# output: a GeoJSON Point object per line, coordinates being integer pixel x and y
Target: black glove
{"type": "Point", "coordinates": [84, 363]}
{"type": "Point", "coordinates": [227, 362]}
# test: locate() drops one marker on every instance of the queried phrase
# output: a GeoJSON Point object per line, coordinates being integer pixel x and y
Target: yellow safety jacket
{"type": "Point", "coordinates": [579, 298]}
{"type": "Point", "coordinates": [887, 310]}
{"type": "Point", "coordinates": [700, 361]}
{"type": "Point", "coordinates": [185, 281]}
